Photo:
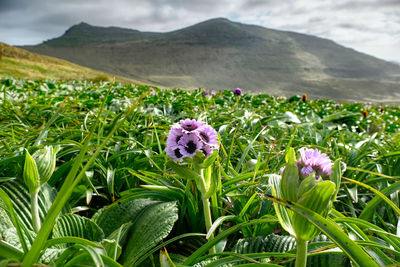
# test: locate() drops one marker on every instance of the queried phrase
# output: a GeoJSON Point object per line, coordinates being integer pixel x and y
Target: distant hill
{"type": "Point", "coordinates": [222, 54]}
{"type": "Point", "coordinates": [19, 63]}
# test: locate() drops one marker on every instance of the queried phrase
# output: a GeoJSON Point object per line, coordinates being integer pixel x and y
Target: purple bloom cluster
{"type": "Point", "coordinates": [312, 160]}
{"type": "Point", "coordinates": [185, 138]}
{"type": "Point", "coordinates": [237, 91]}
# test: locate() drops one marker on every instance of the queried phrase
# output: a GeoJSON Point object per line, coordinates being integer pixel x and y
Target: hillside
{"type": "Point", "coordinates": [19, 63]}
{"type": "Point", "coordinates": [222, 54]}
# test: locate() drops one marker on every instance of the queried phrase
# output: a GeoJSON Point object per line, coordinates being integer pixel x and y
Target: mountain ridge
{"type": "Point", "coordinates": [219, 54]}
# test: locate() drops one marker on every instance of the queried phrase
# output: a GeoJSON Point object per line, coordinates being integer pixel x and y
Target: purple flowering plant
{"type": "Point", "coordinates": [312, 181]}
{"type": "Point", "coordinates": [194, 145]}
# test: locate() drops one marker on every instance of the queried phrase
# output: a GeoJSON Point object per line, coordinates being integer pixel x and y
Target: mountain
{"type": "Point", "coordinates": [19, 63]}
{"type": "Point", "coordinates": [221, 54]}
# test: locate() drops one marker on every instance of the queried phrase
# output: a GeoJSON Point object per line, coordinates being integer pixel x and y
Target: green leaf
{"type": "Point", "coordinates": [112, 248]}
{"type": "Point", "coordinates": [20, 198]}
{"type": "Point", "coordinates": [183, 171]}
{"type": "Point", "coordinates": [78, 226]}
{"type": "Point", "coordinates": [211, 183]}
{"type": "Point", "coordinates": [382, 196]}
{"type": "Point", "coordinates": [17, 224]}
{"type": "Point", "coordinates": [284, 215]}
{"type": "Point", "coordinates": [94, 254]}
{"type": "Point", "coordinates": [10, 252]}
{"type": "Point", "coordinates": [306, 185]}
{"type": "Point", "coordinates": [290, 117]}
{"type": "Point", "coordinates": [218, 222]}
{"type": "Point", "coordinates": [126, 212]}
{"type": "Point", "coordinates": [31, 173]}
{"type": "Point", "coordinates": [210, 160]}
{"type": "Point", "coordinates": [289, 183]}
{"type": "Point", "coordinates": [203, 249]}
{"type": "Point", "coordinates": [164, 244]}
{"type": "Point", "coordinates": [318, 199]}
{"type": "Point", "coordinates": [70, 239]}
{"type": "Point", "coordinates": [331, 230]}
{"type": "Point", "coordinates": [369, 210]}
{"type": "Point", "coordinates": [154, 223]}
{"type": "Point", "coordinates": [336, 176]}
{"type": "Point", "coordinates": [340, 116]}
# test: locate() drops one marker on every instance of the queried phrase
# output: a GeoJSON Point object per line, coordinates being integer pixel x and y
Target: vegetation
{"type": "Point", "coordinates": [85, 179]}
{"type": "Point", "coordinates": [19, 63]}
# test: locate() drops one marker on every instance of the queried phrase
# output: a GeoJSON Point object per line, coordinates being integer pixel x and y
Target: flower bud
{"type": "Point", "coordinates": [45, 159]}
{"type": "Point", "coordinates": [31, 174]}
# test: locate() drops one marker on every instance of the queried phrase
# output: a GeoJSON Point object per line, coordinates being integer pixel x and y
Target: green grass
{"type": "Point", "coordinates": [22, 64]}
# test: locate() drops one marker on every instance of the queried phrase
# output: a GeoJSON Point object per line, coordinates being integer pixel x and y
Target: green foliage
{"type": "Point", "coordinates": [115, 198]}
{"type": "Point", "coordinates": [75, 225]}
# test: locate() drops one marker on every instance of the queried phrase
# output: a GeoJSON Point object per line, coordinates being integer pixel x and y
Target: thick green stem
{"type": "Point", "coordinates": [208, 220]}
{"type": "Point", "coordinates": [206, 209]}
{"type": "Point", "coordinates": [35, 210]}
{"type": "Point", "coordinates": [301, 252]}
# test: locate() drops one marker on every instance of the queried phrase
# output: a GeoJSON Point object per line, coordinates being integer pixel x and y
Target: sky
{"type": "Point", "coordinates": [368, 26]}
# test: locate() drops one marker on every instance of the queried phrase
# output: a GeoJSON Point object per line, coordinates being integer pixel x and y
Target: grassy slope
{"type": "Point", "coordinates": [19, 63]}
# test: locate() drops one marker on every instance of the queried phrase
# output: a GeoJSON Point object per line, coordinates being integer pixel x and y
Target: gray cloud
{"type": "Point", "coordinates": [370, 26]}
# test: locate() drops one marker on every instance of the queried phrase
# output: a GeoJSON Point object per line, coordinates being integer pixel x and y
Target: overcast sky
{"type": "Point", "coordinates": [369, 26]}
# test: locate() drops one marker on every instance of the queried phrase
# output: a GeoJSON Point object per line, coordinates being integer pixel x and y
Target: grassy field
{"type": "Point", "coordinates": [19, 63]}
{"type": "Point", "coordinates": [109, 195]}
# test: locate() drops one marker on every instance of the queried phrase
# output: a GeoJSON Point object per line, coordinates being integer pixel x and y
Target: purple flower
{"type": "Point", "coordinates": [207, 150]}
{"type": "Point", "coordinates": [189, 136]}
{"type": "Point", "coordinates": [212, 107]}
{"type": "Point", "coordinates": [152, 91]}
{"type": "Point", "coordinates": [189, 144]}
{"type": "Point", "coordinates": [337, 106]}
{"type": "Point", "coordinates": [174, 136]}
{"type": "Point", "coordinates": [208, 135]}
{"type": "Point", "coordinates": [237, 91]}
{"type": "Point", "coordinates": [174, 152]}
{"type": "Point", "coordinates": [190, 125]}
{"type": "Point", "coordinates": [212, 92]}
{"type": "Point", "coordinates": [205, 93]}
{"type": "Point", "coordinates": [311, 160]}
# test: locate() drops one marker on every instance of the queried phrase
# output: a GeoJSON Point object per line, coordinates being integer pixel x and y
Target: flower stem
{"type": "Point", "coordinates": [208, 221]}
{"type": "Point", "coordinates": [206, 209]}
{"type": "Point", "coordinates": [35, 210]}
{"type": "Point", "coordinates": [301, 252]}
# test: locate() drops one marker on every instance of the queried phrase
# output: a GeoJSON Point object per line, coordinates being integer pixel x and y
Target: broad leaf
{"type": "Point", "coordinates": [125, 212]}
{"type": "Point", "coordinates": [318, 199]}
{"type": "Point", "coordinates": [75, 225]}
{"type": "Point", "coordinates": [154, 223]}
